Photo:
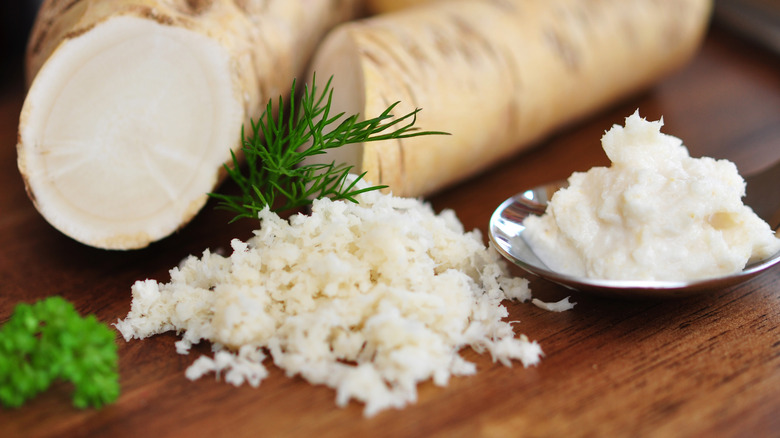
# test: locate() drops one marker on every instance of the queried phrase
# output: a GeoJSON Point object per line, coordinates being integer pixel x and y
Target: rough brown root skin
{"type": "Point", "coordinates": [376, 7]}
{"type": "Point", "coordinates": [134, 105]}
{"type": "Point", "coordinates": [497, 75]}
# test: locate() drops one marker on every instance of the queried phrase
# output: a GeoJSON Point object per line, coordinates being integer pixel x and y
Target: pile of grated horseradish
{"type": "Point", "coordinates": [369, 299]}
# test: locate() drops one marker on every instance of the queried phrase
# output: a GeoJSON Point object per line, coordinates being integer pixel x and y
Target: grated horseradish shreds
{"type": "Point", "coordinates": [558, 306]}
{"type": "Point", "coordinates": [369, 299]}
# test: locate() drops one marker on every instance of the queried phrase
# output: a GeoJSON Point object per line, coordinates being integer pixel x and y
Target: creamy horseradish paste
{"type": "Point", "coordinates": [654, 214]}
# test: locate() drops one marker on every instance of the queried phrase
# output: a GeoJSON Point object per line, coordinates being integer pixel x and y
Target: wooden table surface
{"type": "Point", "coordinates": [702, 366]}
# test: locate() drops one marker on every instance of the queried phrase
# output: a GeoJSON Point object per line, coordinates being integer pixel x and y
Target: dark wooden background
{"type": "Point", "coordinates": [703, 366]}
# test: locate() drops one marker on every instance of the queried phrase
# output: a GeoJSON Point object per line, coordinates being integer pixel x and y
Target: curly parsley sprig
{"type": "Point", "coordinates": [277, 148]}
{"type": "Point", "coordinates": [48, 340]}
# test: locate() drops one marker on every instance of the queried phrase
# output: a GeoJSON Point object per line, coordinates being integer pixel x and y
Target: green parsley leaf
{"type": "Point", "coordinates": [48, 340]}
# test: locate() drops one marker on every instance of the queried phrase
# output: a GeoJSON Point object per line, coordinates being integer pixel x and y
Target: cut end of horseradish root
{"type": "Point", "coordinates": [124, 131]}
{"type": "Point", "coordinates": [349, 97]}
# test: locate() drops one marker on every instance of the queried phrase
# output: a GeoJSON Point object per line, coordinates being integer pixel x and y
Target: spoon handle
{"type": "Point", "coordinates": [763, 194]}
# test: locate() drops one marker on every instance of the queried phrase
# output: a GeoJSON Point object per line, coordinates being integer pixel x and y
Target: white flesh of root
{"type": "Point", "coordinates": [134, 105]}
{"type": "Point", "coordinates": [119, 127]}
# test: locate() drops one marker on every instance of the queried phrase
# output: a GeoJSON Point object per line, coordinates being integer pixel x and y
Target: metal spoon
{"type": "Point", "coordinates": [506, 230]}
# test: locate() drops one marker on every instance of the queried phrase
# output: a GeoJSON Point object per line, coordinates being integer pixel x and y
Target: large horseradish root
{"type": "Point", "coordinates": [134, 105]}
{"type": "Point", "coordinates": [497, 75]}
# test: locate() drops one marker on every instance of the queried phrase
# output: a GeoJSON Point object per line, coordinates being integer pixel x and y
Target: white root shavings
{"type": "Point", "coordinates": [246, 366]}
{"type": "Point", "coordinates": [369, 299]}
{"type": "Point", "coordinates": [558, 306]}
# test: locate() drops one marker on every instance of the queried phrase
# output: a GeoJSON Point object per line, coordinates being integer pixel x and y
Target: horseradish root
{"type": "Point", "coordinates": [134, 105]}
{"type": "Point", "coordinates": [497, 75]}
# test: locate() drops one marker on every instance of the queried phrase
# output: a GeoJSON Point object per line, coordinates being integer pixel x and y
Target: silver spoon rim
{"type": "Point", "coordinates": [511, 213]}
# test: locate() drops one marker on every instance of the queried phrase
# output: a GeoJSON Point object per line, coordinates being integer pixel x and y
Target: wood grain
{"type": "Point", "coordinates": [703, 366]}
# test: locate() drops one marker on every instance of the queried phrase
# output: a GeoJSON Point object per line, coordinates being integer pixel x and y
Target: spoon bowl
{"type": "Point", "coordinates": [506, 233]}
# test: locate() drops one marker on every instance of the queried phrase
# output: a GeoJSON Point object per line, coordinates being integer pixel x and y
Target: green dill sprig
{"type": "Point", "coordinates": [274, 153]}
{"type": "Point", "coordinates": [48, 340]}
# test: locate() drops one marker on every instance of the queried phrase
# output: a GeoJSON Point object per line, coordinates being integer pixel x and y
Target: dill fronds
{"type": "Point", "coordinates": [274, 152]}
